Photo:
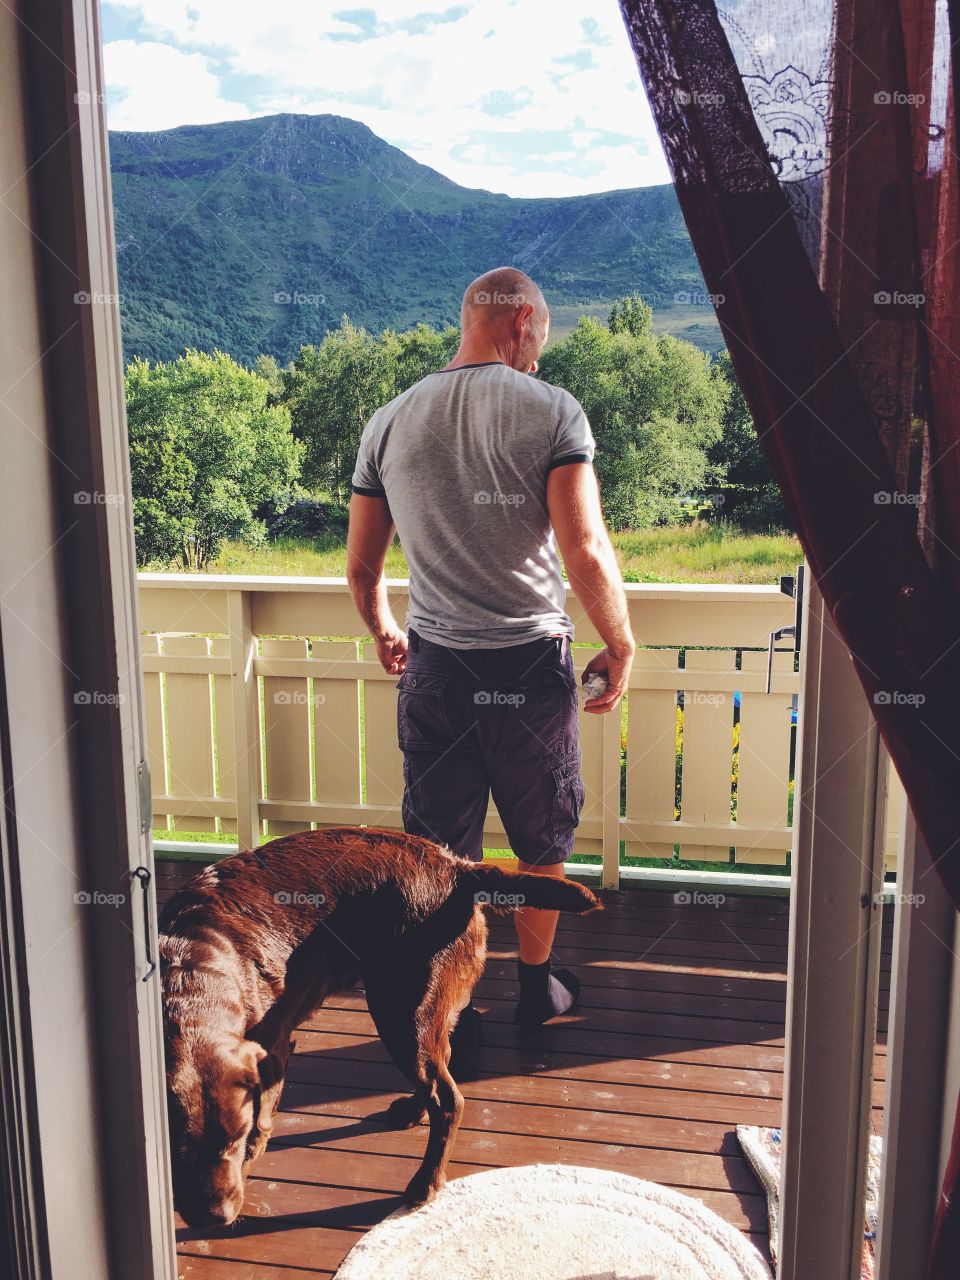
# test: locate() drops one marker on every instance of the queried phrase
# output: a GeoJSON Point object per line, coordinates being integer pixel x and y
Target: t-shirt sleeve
{"type": "Point", "coordinates": [573, 440]}
{"type": "Point", "coordinates": [366, 474]}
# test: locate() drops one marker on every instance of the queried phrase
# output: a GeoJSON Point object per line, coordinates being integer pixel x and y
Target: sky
{"type": "Point", "coordinates": [526, 97]}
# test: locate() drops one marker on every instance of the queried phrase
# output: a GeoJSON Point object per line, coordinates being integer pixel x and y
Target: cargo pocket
{"type": "Point", "coordinates": [567, 796]}
{"type": "Point", "coordinates": [422, 720]}
{"type": "Point", "coordinates": [539, 716]}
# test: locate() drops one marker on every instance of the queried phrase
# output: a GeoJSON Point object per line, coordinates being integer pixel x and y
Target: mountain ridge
{"type": "Point", "coordinates": [258, 235]}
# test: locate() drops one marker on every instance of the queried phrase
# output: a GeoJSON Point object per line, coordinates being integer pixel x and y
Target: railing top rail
{"type": "Point", "coordinates": [715, 592]}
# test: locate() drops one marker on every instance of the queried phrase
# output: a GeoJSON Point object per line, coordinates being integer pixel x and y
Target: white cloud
{"type": "Point", "coordinates": [149, 82]}
{"type": "Point", "coordinates": [424, 91]}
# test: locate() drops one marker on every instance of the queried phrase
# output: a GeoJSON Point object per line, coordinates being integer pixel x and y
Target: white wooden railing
{"type": "Point", "coordinates": [267, 714]}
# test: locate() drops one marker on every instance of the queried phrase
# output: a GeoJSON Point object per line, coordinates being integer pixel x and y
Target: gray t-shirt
{"type": "Point", "coordinates": [462, 458]}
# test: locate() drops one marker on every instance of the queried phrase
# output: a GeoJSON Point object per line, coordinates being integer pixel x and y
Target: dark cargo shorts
{"type": "Point", "coordinates": [472, 722]}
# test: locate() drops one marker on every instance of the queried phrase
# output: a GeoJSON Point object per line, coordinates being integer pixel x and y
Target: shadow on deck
{"type": "Point", "coordinates": [679, 1038]}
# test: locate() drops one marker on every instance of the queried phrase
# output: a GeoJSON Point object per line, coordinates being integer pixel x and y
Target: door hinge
{"type": "Point", "coordinates": [144, 797]}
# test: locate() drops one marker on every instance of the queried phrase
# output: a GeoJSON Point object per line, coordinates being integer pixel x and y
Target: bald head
{"type": "Point", "coordinates": [505, 309]}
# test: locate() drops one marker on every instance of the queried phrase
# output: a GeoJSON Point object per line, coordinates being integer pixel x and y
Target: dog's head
{"type": "Point", "coordinates": [219, 1121]}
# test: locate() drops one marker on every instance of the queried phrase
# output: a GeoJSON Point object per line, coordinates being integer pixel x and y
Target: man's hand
{"type": "Point", "coordinates": [573, 500]}
{"type": "Point", "coordinates": [392, 651]}
{"type": "Point", "coordinates": [369, 535]}
{"type": "Point", "coordinates": [616, 671]}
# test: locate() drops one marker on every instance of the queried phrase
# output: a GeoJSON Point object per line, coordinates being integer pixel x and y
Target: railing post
{"type": "Point", "coordinates": [611, 800]}
{"type": "Point", "coordinates": [246, 718]}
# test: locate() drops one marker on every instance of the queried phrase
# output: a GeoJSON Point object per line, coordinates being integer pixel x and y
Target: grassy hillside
{"type": "Point", "coordinates": [698, 552]}
{"type": "Point", "coordinates": [258, 235]}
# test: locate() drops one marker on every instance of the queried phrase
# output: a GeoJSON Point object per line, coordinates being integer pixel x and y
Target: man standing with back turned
{"type": "Point", "coordinates": [485, 473]}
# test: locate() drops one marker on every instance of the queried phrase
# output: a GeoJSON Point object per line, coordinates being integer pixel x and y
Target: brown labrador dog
{"type": "Point", "coordinates": [254, 944]}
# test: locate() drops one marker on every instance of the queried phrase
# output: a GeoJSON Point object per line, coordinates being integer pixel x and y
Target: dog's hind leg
{"type": "Point", "coordinates": [393, 1006]}
{"type": "Point", "coordinates": [416, 1033]}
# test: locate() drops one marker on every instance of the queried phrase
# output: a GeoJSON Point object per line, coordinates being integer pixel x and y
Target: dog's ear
{"type": "Point", "coordinates": [250, 1061]}
{"type": "Point", "coordinates": [270, 1069]}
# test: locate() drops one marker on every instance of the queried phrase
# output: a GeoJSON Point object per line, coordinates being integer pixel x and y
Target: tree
{"type": "Point", "coordinates": [750, 494]}
{"type": "Point", "coordinates": [631, 315]}
{"type": "Point", "coordinates": [332, 391]}
{"type": "Point", "coordinates": [417, 352]}
{"type": "Point", "coordinates": [654, 407]}
{"type": "Point", "coordinates": [205, 450]}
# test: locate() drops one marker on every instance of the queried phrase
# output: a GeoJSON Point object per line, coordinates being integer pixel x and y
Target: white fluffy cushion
{"type": "Point", "coordinates": [555, 1222]}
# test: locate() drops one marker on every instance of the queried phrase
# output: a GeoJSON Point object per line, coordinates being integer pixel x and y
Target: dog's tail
{"type": "Point", "coordinates": [503, 891]}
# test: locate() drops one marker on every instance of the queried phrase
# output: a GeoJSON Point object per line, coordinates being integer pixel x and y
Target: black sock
{"type": "Point", "coordinates": [465, 1040]}
{"type": "Point", "coordinates": [545, 995]}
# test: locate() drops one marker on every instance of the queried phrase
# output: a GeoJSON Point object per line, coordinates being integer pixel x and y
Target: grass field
{"type": "Point", "coordinates": [698, 552]}
{"type": "Point", "coordinates": [694, 322]}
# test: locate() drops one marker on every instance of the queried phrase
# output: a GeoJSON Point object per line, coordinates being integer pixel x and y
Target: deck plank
{"type": "Point", "coordinates": [679, 1037]}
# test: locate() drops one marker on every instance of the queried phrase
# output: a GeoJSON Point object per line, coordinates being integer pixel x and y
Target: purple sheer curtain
{"type": "Point", "coordinates": [813, 152]}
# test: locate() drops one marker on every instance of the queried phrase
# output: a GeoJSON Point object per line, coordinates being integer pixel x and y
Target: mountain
{"type": "Point", "coordinates": [258, 235]}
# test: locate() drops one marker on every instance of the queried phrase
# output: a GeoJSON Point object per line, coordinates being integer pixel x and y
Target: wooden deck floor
{"type": "Point", "coordinates": [679, 1038]}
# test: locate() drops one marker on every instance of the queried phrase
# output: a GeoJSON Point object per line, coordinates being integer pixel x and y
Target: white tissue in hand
{"type": "Point", "coordinates": [594, 686]}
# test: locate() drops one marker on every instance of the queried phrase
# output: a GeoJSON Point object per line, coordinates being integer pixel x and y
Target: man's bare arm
{"type": "Point", "coordinates": [368, 540]}
{"type": "Point", "coordinates": [573, 501]}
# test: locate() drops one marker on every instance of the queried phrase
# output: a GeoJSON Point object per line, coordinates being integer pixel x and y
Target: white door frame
{"type": "Point", "coordinates": [833, 966]}
{"type": "Point", "coordinates": [80, 1029]}
{"type": "Point", "coordinates": [921, 1089]}
{"type": "Point", "coordinates": [80, 1035]}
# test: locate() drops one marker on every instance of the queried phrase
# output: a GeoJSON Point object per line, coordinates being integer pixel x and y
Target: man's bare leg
{"type": "Point", "coordinates": [543, 995]}
{"type": "Point", "coordinates": [536, 928]}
